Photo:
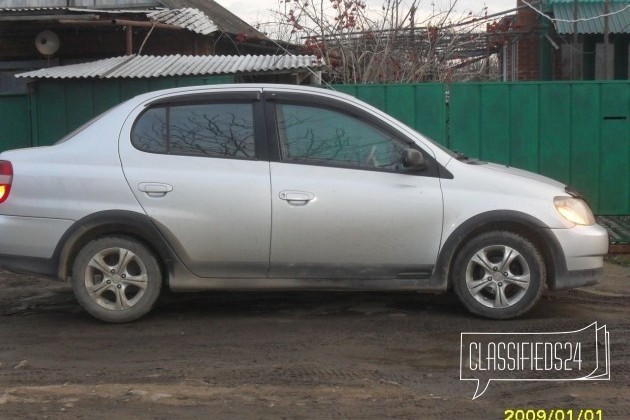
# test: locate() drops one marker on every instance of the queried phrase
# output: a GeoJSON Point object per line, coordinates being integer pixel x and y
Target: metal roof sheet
{"type": "Point", "coordinates": [95, 4]}
{"type": "Point", "coordinates": [618, 20]}
{"type": "Point", "coordinates": [188, 18]}
{"type": "Point", "coordinates": [176, 65]}
{"type": "Point", "coordinates": [226, 21]}
{"type": "Point", "coordinates": [30, 9]}
{"type": "Point", "coordinates": [552, 2]}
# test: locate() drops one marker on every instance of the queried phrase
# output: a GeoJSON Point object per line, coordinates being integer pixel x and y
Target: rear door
{"type": "Point", "coordinates": [198, 166]}
{"type": "Point", "coordinates": [343, 205]}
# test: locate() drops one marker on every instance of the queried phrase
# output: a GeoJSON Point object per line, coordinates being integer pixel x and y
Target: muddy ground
{"type": "Point", "coordinates": [286, 355]}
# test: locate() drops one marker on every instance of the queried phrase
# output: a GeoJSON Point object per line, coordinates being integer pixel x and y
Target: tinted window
{"type": "Point", "coordinates": [319, 135]}
{"type": "Point", "coordinates": [149, 134]}
{"type": "Point", "coordinates": [222, 130]}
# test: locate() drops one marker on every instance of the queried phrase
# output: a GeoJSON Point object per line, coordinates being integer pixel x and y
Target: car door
{"type": "Point", "coordinates": [343, 204]}
{"type": "Point", "coordinates": [198, 166]}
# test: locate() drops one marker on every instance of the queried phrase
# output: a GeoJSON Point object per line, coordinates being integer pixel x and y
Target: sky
{"type": "Point", "coordinates": [254, 11]}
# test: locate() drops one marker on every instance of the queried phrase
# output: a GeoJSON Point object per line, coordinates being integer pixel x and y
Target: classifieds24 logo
{"type": "Point", "coordinates": [580, 355]}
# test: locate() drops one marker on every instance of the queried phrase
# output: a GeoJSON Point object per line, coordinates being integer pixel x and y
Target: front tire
{"type": "Point", "coordinates": [116, 279]}
{"type": "Point", "coordinates": [498, 275]}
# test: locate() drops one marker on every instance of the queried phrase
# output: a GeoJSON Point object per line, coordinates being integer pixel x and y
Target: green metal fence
{"type": "Point", "coordinates": [15, 121]}
{"type": "Point", "coordinates": [575, 132]}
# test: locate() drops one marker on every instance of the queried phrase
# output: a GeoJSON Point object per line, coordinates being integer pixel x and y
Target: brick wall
{"type": "Point", "coordinates": [527, 50]}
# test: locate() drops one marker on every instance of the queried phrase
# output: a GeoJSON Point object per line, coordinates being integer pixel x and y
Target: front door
{"type": "Point", "coordinates": [343, 205]}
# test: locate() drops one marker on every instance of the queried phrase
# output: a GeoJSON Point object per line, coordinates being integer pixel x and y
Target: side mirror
{"type": "Point", "coordinates": [413, 159]}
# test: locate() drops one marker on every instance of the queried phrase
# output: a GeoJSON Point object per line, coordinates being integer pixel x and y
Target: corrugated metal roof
{"type": "Point", "coordinates": [176, 65]}
{"type": "Point", "coordinates": [30, 9]}
{"type": "Point", "coordinates": [188, 18]}
{"type": "Point", "coordinates": [96, 4]}
{"type": "Point", "coordinates": [618, 21]}
{"type": "Point", "coordinates": [226, 21]}
{"type": "Point", "coordinates": [552, 2]}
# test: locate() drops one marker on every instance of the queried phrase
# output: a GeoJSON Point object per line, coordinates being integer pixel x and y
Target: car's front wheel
{"type": "Point", "coordinates": [116, 279]}
{"type": "Point", "coordinates": [498, 275]}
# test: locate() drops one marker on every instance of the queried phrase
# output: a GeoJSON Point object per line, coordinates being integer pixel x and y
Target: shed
{"type": "Point", "coordinates": [43, 33]}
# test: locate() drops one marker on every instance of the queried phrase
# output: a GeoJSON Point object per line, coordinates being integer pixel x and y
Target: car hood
{"type": "Point", "coordinates": [495, 167]}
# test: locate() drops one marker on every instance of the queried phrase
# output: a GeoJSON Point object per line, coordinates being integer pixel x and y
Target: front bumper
{"type": "Point", "coordinates": [583, 249]}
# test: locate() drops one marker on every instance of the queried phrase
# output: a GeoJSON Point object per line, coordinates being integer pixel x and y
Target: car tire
{"type": "Point", "coordinates": [498, 275]}
{"type": "Point", "coordinates": [116, 279]}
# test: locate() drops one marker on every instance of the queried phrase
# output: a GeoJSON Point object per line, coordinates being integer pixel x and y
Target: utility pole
{"type": "Point", "coordinates": [575, 39]}
{"type": "Point", "coordinates": [606, 30]}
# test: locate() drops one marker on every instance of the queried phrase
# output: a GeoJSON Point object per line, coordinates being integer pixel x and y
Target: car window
{"type": "Point", "coordinates": [220, 130]}
{"type": "Point", "coordinates": [323, 136]}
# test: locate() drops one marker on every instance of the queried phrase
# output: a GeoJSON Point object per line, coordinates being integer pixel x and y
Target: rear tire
{"type": "Point", "coordinates": [498, 275]}
{"type": "Point", "coordinates": [116, 279]}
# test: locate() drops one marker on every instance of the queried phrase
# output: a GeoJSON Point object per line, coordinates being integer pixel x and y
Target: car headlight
{"type": "Point", "coordinates": [575, 210]}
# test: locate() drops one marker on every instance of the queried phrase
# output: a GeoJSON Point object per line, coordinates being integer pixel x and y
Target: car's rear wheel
{"type": "Point", "coordinates": [498, 275]}
{"type": "Point", "coordinates": [116, 279]}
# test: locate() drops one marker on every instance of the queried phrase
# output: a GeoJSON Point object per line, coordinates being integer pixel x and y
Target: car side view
{"type": "Point", "coordinates": [274, 187]}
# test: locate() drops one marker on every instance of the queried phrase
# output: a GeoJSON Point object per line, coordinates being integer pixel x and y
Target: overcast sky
{"type": "Point", "coordinates": [253, 11]}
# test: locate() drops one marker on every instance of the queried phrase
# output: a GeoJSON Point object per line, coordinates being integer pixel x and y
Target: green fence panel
{"type": "Point", "coordinates": [555, 130]}
{"type": "Point", "coordinates": [106, 94]}
{"type": "Point", "coordinates": [15, 121]}
{"type": "Point", "coordinates": [430, 111]}
{"type": "Point", "coordinates": [615, 149]}
{"type": "Point", "coordinates": [523, 123]}
{"type": "Point", "coordinates": [52, 110]}
{"type": "Point", "coordinates": [79, 103]}
{"type": "Point", "coordinates": [495, 123]}
{"type": "Point", "coordinates": [133, 87]}
{"type": "Point", "coordinates": [585, 141]}
{"type": "Point", "coordinates": [420, 106]}
{"type": "Point", "coordinates": [465, 119]}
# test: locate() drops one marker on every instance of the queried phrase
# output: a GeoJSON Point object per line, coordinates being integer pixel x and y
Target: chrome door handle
{"type": "Point", "coordinates": [155, 189]}
{"type": "Point", "coordinates": [296, 197]}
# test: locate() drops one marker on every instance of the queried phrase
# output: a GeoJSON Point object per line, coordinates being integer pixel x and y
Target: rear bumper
{"type": "Point", "coordinates": [32, 237]}
{"type": "Point", "coordinates": [29, 265]}
{"type": "Point", "coordinates": [27, 244]}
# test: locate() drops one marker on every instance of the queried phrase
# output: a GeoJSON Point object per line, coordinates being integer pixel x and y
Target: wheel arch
{"type": "Point", "coordinates": [107, 223]}
{"type": "Point", "coordinates": [516, 222]}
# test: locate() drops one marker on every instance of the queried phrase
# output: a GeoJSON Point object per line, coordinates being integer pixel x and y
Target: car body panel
{"type": "Point", "coordinates": [359, 223]}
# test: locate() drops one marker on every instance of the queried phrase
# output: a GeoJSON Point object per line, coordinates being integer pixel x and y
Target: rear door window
{"type": "Point", "coordinates": [216, 130]}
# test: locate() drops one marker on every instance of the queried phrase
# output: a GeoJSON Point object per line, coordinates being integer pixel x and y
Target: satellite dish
{"type": "Point", "coordinates": [47, 43]}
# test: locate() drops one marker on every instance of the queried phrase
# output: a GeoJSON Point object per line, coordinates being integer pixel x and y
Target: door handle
{"type": "Point", "coordinates": [296, 197]}
{"type": "Point", "coordinates": [155, 189]}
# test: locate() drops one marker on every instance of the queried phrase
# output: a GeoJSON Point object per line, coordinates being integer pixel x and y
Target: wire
{"type": "Point", "coordinates": [146, 37]}
{"type": "Point", "coordinates": [574, 20]}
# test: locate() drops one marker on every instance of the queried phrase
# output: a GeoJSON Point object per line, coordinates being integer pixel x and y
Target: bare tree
{"type": "Point", "coordinates": [398, 43]}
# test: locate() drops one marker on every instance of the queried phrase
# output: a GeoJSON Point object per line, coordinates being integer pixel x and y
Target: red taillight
{"type": "Point", "coordinates": [6, 177]}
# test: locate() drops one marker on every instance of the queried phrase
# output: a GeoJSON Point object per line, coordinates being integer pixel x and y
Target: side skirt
{"type": "Point", "coordinates": [183, 281]}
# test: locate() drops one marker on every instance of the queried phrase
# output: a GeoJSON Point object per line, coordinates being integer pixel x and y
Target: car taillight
{"type": "Point", "coordinates": [6, 177]}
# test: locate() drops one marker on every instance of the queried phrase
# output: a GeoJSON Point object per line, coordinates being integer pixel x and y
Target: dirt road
{"type": "Point", "coordinates": [286, 355]}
